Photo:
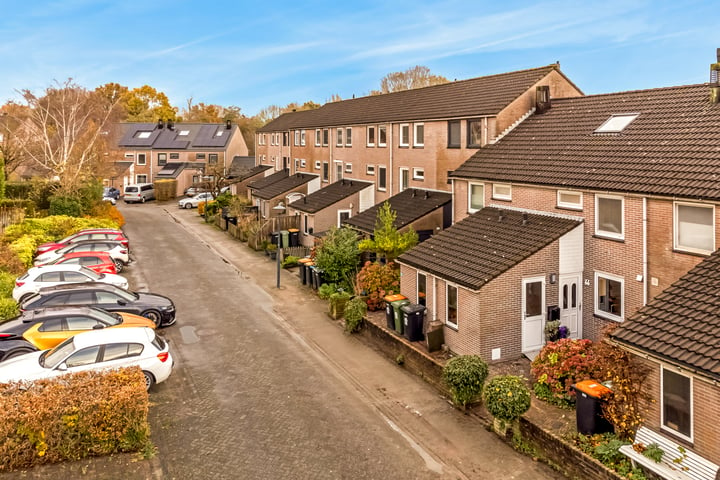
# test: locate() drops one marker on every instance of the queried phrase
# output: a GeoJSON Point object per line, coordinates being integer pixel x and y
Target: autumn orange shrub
{"type": "Point", "coordinates": [79, 415]}
{"type": "Point", "coordinates": [108, 211]}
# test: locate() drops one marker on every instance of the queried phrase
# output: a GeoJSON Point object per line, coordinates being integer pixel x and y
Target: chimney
{"type": "Point", "coordinates": [715, 79]}
{"type": "Point", "coordinates": [160, 124]}
{"type": "Point", "coordinates": [228, 125]}
{"type": "Point", "coordinates": [542, 99]}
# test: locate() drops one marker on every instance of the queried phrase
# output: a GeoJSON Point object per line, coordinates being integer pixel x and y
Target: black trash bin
{"type": "Point", "coordinates": [294, 237]}
{"type": "Point", "coordinates": [274, 238]}
{"type": "Point", "coordinates": [305, 264]}
{"type": "Point", "coordinates": [413, 318]}
{"type": "Point", "coordinates": [589, 397]}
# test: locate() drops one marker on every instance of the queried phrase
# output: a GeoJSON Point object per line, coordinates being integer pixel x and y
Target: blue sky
{"type": "Point", "coordinates": [255, 54]}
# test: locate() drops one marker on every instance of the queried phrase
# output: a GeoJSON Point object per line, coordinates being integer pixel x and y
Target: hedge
{"type": "Point", "coordinates": [77, 416]}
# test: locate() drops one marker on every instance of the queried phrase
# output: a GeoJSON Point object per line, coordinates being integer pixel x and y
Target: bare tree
{"type": "Point", "coordinates": [64, 129]}
{"type": "Point", "coordinates": [416, 77]}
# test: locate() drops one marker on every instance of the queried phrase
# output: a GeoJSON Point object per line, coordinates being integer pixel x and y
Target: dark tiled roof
{"type": "Point", "coordinates": [284, 185]}
{"type": "Point", "coordinates": [242, 175]}
{"type": "Point", "coordinates": [670, 149]}
{"type": "Point", "coordinates": [329, 195]}
{"type": "Point", "coordinates": [481, 247]}
{"type": "Point", "coordinates": [199, 136]}
{"type": "Point", "coordinates": [173, 169]}
{"type": "Point", "coordinates": [410, 205]}
{"type": "Point", "coordinates": [474, 97]}
{"type": "Point", "coordinates": [682, 324]}
{"type": "Point", "coordinates": [241, 164]}
{"type": "Point", "coordinates": [261, 183]}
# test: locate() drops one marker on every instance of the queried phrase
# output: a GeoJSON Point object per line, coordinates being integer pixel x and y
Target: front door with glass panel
{"type": "Point", "coordinates": [533, 306]}
{"type": "Point", "coordinates": [570, 303]}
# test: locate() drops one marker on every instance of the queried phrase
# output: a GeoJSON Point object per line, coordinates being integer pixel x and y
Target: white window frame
{"type": "Point", "coordinates": [302, 138]}
{"type": "Point", "coordinates": [325, 137]}
{"type": "Point", "coordinates": [143, 161]}
{"type": "Point", "coordinates": [369, 169]}
{"type": "Point", "coordinates": [339, 139]}
{"type": "Point", "coordinates": [616, 123]}
{"type": "Point", "coordinates": [348, 168]}
{"type": "Point", "coordinates": [302, 163]}
{"type": "Point", "coordinates": [401, 171]}
{"type": "Point", "coordinates": [418, 174]}
{"type": "Point", "coordinates": [348, 137]}
{"type": "Point", "coordinates": [370, 128]}
{"type": "Point", "coordinates": [418, 143]}
{"type": "Point", "coordinates": [382, 189]}
{"type": "Point", "coordinates": [297, 138]}
{"type": "Point", "coordinates": [404, 135]}
{"type": "Point", "coordinates": [606, 233]}
{"type": "Point", "coordinates": [318, 165]}
{"type": "Point", "coordinates": [571, 205]}
{"type": "Point", "coordinates": [472, 209]}
{"type": "Point", "coordinates": [348, 211]}
{"type": "Point", "coordinates": [677, 223]}
{"type": "Point", "coordinates": [141, 178]}
{"type": "Point", "coordinates": [662, 404]}
{"type": "Point", "coordinates": [448, 286]}
{"type": "Point", "coordinates": [318, 137]}
{"type": "Point", "coordinates": [603, 313]}
{"type": "Point", "coordinates": [382, 128]}
{"type": "Point", "coordinates": [417, 286]}
{"type": "Point", "coordinates": [497, 194]}
{"type": "Point", "coordinates": [130, 155]}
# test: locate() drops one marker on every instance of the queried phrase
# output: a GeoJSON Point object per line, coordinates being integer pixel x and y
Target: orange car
{"type": "Point", "coordinates": [44, 328]}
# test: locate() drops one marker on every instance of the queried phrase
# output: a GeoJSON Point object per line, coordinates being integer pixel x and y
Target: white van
{"type": "Point", "coordinates": [139, 192]}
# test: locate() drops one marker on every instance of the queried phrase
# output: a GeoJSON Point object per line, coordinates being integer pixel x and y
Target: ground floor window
{"type": "Point", "coordinates": [609, 296]}
{"type": "Point", "coordinates": [421, 288]}
{"type": "Point", "coordinates": [452, 305]}
{"type": "Point", "coordinates": [677, 402]}
{"type": "Point", "coordinates": [141, 179]}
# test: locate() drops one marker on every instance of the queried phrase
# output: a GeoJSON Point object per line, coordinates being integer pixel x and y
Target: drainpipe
{"type": "Point", "coordinates": [390, 166]}
{"type": "Point", "coordinates": [434, 300]}
{"type": "Point", "coordinates": [644, 254]}
{"type": "Point", "coordinates": [331, 160]}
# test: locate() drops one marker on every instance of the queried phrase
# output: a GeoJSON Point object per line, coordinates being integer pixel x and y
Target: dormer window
{"type": "Point", "coordinates": [617, 123]}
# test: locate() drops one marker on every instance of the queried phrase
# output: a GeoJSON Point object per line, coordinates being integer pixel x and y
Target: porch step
{"type": "Point", "coordinates": [532, 354]}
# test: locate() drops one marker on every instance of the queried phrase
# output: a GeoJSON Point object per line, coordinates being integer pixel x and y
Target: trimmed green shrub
{"type": "Point", "coordinates": [70, 206]}
{"type": "Point", "coordinates": [507, 397]}
{"type": "Point", "coordinates": [290, 261]}
{"type": "Point", "coordinates": [465, 376]}
{"type": "Point", "coordinates": [8, 308]}
{"type": "Point", "coordinates": [337, 254]}
{"type": "Point", "coordinates": [327, 289]}
{"type": "Point", "coordinates": [355, 310]}
{"type": "Point", "coordinates": [7, 283]}
{"type": "Point", "coordinates": [85, 414]}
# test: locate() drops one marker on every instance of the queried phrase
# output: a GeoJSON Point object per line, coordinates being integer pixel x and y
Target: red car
{"type": "Point", "coordinates": [100, 262]}
{"type": "Point", "coordinates": [87, 234]}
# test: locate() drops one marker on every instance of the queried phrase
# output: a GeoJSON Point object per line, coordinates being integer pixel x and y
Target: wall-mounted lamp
{"type": "Point", "coordinates": [553, 278]}
{"type": "Point", "coordinates": [279, 206]}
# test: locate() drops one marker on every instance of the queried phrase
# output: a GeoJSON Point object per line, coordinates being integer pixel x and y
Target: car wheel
{"type": "Point", "coordinates": [25, 297]}
{"type": "Point", "coordinates": [153, 315]}
{"type": "Point", "coordinates": [119, 265]}
{"type": "Point", "coordinates": [188, 205]}
{"type": "Point", "coordinates": [149, 379]}
{"type": "Point", "coordinates": [17, 352]}
{"type": "Point", "coordinates": [142, 199]}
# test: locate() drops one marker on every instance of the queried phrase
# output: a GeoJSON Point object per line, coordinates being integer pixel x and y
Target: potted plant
{"type": "Point", "coordinates": [338, 300]}
{"type": "Point", "coordinates": [507, 398]}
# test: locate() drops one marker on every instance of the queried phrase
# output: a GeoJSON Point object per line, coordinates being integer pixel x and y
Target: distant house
{"type": "Point", "coordinates": [407, 139]}
{"type": "Point", "coordinates": [677, 337]}
{"type": "Point", "coordinates": [484, 278]}
{"type": "Point", "coordinates": [272, 194]}
{"type": "Point", "coordinates": [331, 207]}
{"type": "Point", "coordinates": [196, 151]}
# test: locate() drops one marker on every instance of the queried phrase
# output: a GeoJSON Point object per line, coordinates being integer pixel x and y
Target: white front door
{"type": "Point", "coordinates": [533, 306]}
{"type": "Point", "coordinates": [570, 295]}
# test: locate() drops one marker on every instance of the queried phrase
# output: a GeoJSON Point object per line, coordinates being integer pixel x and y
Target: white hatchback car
{"type": "Point", "coordinates": [102, 349]}
{"type": "Point", "coordinates": [49, 275]}
{"type": "Point", "coordinates": [192, 202]}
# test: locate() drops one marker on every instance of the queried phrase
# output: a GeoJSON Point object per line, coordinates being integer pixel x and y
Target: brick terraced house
{"type": "Point", "coordinates": [677, 337]}
{"type": "Point", "coordinates": [640, 169]}
{"type": "Point", "coordinates": [407, 139]}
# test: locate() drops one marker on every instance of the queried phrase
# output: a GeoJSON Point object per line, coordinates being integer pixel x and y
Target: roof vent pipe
{"type": "Point", "coordinates": [500, 217]}
{"type": "Point", "coordinates": [715, 79]}
{"type": "Point", "coordinates": [414, 192]}
{"type": "Point", "coordinates": [228, 125]}
{"type": "Point", "coordinates": [170, 124]}
{"type": "Point", "coordinates": [525, 219]}
{"type": "Point", "coordinates": [160, 124]}
{"type": "Point", "coordinates": [427, 194]}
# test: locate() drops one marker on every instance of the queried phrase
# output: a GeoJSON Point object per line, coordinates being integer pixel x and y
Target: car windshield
{"type": "Point", "coordinates": [51, 358]}
{"type": "Point", "coordinates": [91, 273]}
{"type": "Point", "coordinates": [109, 318]}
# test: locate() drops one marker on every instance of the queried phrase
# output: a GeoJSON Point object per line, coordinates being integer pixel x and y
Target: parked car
{"type": "Point", "coordinates": [111, 194]}
{"type": "Point", "coordinates": [99, 262]}
{"type": "Point", "coordinates": [194, 190]}
{"type": "Point", "coordinates": [139, 192]}
{"type": "Point", "coordinates": [193, 202]}
{"type": "Point", "coordinates": [115, 249]}
{"type": "Point", "coordinates": [158, 308]}
{"type": "Point", "coordinates": [49, 275]}
{"type": "Point", "coordinates": [43, 328]}
{"type": "Point", "coordinates": [102, 349]}
{"type": "Point", "coordinates": [83, 235]}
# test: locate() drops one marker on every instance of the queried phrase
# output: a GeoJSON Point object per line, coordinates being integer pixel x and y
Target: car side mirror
{"type": "Point", "coordinates": [98, 327]}
{"type": "Point", "coordinates": [121, 302]}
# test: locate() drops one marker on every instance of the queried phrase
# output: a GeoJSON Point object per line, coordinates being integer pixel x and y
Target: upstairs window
{"type": "Point", "coordinates": [476, 196]}
{"type": "Point", "coordinates": [454, 134]}
{"type": "Point", "coordinates": [317, 137]}
{"type": "Point", "coordinates": [404, 135]}
{"type": "Point", "coordinates": [339, 139]}
{"type": "Point", "coordinates": [326, 134]}
{"type": "Point", "coordinates": [501, 191]}
{"type": "Point", "coordinates": [212, 158]}
{"type": "Point", "coordinates": [609, 216]}
{"type": "Point", "coordinates": [161, 159]}
{"type": "Point", "coordinates": [297, 138]}
{"type": "Point", "coordinates": [418, 135]}
{"type": "Point", "coordinates": [370, 136]}
{"type": "Point", "coordinates": [567, 199]}
{"type": "Point", "coordinates": [302, 138]}
{"type": "Point", "coordinates": [695, 228]}
{"type": "Point", "coordinates": [382, 136]}
{"type": "Point", "coordinates": [348, 137]}
{"type": "Point", "coordinates": [141, 159]}
{"type": "Point", "coordinates": [474, 133]}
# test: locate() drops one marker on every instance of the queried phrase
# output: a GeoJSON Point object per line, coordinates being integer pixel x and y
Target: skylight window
{"type": "Point", "coordinates": [617, 123]}
{"type": "Point", "coordinates": [183, 133]}
{"type": "Point", "coordinates": [219, 133]}
{"type": "Point", "coordinates": [143, 134]}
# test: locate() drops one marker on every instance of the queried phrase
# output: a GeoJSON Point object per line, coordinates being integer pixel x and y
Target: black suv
{"type": "Point", "coordinates": [158, 308]}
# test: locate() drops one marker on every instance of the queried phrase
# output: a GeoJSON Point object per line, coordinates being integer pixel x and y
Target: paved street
{"type": "Point", "coordinates": [267, 387]}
